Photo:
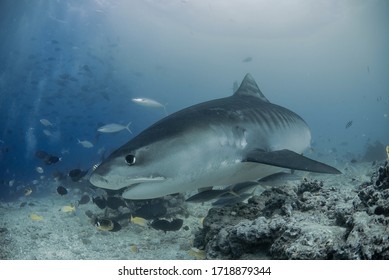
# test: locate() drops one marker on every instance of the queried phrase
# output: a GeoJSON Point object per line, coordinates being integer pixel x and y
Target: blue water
{"type": "Point", "coordinates": [78, 64]}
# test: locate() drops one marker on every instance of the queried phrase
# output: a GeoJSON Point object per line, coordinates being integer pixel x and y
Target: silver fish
{"type": "Point", "coordinates": [85, 143]}
{"type": "Point", "coordinates": [149, 103]}
{"type": "Point", "coordinates": [220, 142]}
{"type": "Point", "coordinates": [114, 127]}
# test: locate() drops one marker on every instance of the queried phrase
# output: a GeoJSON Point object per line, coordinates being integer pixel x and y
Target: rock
{"type": "Point", "coordinates": [368, 238]}
{"type": "Point", "coordinates": [308, 221]}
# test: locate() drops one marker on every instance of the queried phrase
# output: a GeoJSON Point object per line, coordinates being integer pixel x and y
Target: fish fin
{"type": "Point", "coordinates": [289, 159]}
{"type": "Point", "coordinates": [249, 87]}
{"type": "Point", "coordinates": [164, 109]}
{"type": "Point", "coordinates": [128, 127]}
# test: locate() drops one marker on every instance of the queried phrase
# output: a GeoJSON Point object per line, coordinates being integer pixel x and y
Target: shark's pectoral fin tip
{"type": "Point", "coordinates": [291, 160]}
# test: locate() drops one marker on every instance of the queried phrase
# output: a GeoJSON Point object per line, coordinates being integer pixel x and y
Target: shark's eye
{"type": "Point", "coordinates": [130, 159]}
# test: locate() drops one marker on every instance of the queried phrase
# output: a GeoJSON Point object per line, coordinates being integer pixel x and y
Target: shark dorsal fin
{"type": "Point", "coordinates": [249, 87]}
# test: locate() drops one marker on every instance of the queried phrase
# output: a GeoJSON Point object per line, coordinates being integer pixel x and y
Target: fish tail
{"type": "Point", "coordinates": [128, 127]}
{"type": "Point", "coordinates": [164, 109]}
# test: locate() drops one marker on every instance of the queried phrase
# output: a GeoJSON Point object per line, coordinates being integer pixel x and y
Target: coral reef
{"type": "Point", "coordinates": [307, 221]}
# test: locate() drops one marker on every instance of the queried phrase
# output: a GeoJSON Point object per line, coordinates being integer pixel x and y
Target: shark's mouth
{"type": "Point", "coordinates": [151, 178]}
{"type": "Point", "coordinates": [114, 182]}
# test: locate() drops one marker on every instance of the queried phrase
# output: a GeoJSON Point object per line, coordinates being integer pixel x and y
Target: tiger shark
{"type": "Point", "coordinates": [220, 142]}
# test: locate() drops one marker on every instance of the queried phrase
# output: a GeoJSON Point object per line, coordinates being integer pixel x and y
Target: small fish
{"type": "Point", "coordinates": [84, 199]}
{"type": "Point", "coordinates": [147, 102]}
{"type": "Point", "coordinates": [247, 59]}
{"type": "Point", "coordinates": [138, 221]}
{"type": "Point", "coordinates": [47, 133]}
{"type": "Point", "coordinates": [166, 225]}
{"type": "Point", "coordinates": [39, 169]}
{"type": "Point", "coordinates": [100, 202]}
{"type": "Point", "coordinates": [45, 122]}
{"type": "Point", "coordinates": [104, 224]}
{"type": "Point", "coordinates": [47, 158]}
{"type": "Point", "coordinates": [134, 249]}
{"type": "Point", "coordinates": [77, 174]}
{"type": "Point", "coordinates": [85, 143]}
{"type": "Point", "coordinates": [11, 182]}
{"type": "Point", "coordinates": [62, 190]}
{"type": "Point", "coordinates": [114, 127]}
{"type": "Point", "coordinates": [27, 191]}
{"type": "Point", "coordinates": [36, 217]}
{"type": "Point", "coordinates": [348, 124]}
{"type": "Point", "coordinates": [68, 209]}
{"type": "Point", "coordinates": [52, 159]}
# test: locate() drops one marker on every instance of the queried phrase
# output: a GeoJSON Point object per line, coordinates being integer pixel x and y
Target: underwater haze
{"type": "Point", "coordinates": [69, 67]}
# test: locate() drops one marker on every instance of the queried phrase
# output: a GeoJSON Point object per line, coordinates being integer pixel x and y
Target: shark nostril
{"type": "Point", "coordinates": [130, 159]}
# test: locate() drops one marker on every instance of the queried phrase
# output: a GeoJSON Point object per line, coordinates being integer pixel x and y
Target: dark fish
{"type": "Point", "coordinates": [51, 160]}
{"type": "Point", "coordinates": [84, 199]}
{"type": "Point", "coordinates": [77, 174]}
{"type": "Point", "coordinates": [166, 225]}
{"type": "Point", "coordinates": [151, 211]}
{"type": "Point", "coordinates": [100, 202]}
{"type": "Point", "coordinates": [353, 160]}
{"type": "Point", "coordinates": [105, 224]}
{"type": "Point", "coordinates": [247, 59]}
{"type": "Point", "coordinates": [62, 190]}
{"type": "Point", "coordinates": [115, 202]}
{"type": "Point", "coordinates": [348, 124]}
{"type": "Point", "coordinates": [46, 157]}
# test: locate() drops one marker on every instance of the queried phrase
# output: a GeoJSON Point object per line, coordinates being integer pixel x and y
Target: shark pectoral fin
{"type": "Point", "coordinates": [289, 159]}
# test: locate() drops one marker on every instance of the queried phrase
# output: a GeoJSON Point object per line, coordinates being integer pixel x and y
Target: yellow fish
{"type": "Point", "coordinates": [36, 217]}
{"type": "Point", "coordinates": [68, 209]}
{"type": "Point", "coordinates": [138, 221]}
{"type": "Point", "coordinates": [134, 249]}
{"type": "Point", "coordinates": [387, 150]}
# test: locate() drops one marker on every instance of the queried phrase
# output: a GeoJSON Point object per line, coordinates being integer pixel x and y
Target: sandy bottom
{"type": "Point", "coordinates": [73, 236]}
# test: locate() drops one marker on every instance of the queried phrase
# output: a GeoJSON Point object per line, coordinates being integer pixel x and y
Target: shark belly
{"type": "Point", "coordinates": [213, 157]}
